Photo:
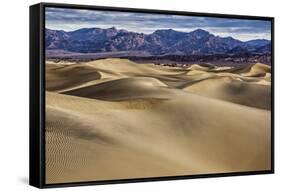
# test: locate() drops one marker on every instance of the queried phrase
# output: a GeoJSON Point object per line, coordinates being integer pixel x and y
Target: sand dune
{"type": "Point", "coordinates": [201, 67]}
{"type": "Point", "coordinates": [258, 70]}
{"type": "Point", "coordinates": [229, 89]}
{"type": "Point", "coordinates": [125, 88]}
{"type": "Point", "coordinates": [94, 72]}
{"type": "Point", "coordinates": [115, 119]}
{"type": "Point", "coordinates": [60, 76]}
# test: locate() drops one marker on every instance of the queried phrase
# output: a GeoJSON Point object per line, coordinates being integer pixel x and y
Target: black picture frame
{"type": "Point", "coordinates": [37, 95]}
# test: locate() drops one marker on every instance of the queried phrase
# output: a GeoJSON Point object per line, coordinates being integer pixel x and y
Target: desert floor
{"type": "Point", "coordinates": [115, 119]}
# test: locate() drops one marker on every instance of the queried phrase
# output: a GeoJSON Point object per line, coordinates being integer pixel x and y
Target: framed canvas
{"type": "Point", "coordinates": [122, 95]}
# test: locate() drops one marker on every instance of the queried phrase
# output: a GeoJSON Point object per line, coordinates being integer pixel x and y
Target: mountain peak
{"type": "Point", "coordinates": [86, 29]}
{"type": "Point", "coordinates": [169, 33]}
{"type": "Point", "coordinates": [258, 42]}
{"type": "Point", "coordinates": [112, 28]}
{"type": "Point", "coordinates": [164, 31]}
{"type": "Point", "coordinates": [200, 33]}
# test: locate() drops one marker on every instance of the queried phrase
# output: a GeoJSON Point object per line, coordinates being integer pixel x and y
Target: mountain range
{"type": "Point", "coordinates": [160, 42]}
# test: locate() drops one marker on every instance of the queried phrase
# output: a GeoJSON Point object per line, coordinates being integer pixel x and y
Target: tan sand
{"type": "Point", "coordinates": [236, 91]}
{"type": "Point", "coordinates": [114, 119]}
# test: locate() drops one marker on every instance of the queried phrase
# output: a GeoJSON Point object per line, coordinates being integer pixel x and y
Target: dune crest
{"type": "Point", "coordinates": [258, 69]}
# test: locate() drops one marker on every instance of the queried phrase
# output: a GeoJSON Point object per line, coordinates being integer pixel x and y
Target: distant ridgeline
{"type": "Point", "coordinates": [170, 43]}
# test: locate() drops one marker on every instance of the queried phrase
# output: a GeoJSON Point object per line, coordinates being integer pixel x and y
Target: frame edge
{"type": "Point", "coordinates": [35, 132]}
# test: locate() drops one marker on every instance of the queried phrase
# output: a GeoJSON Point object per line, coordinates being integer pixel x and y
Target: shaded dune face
{"type": "Point", "coordinates": [115, 119]}
{"type": "Point", "coordinates": [59, 77]}
{"type": "Point", "coordinates": [254, 70]}
{"type": "Point", "coordinates": [259, 70]}
{"type": "Point", "coordinates": [126, 88]}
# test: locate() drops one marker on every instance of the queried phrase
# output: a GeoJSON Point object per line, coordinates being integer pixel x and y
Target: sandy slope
{"type": "Point", "coordinates": [114, 119]}
{"type": "Point", "coordinates": [237, 91]}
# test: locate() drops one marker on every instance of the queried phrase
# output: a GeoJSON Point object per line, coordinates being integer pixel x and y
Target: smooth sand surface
{"type": "Point", "coordinates": [115, 119]}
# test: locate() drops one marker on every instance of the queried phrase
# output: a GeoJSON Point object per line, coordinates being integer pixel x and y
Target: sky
{"type": "Point", "coordinates": [73, 19]}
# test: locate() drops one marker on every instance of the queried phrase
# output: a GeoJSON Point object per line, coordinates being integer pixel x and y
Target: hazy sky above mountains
{"type": "Point", "coordinates": [72, 19]}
